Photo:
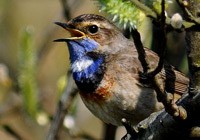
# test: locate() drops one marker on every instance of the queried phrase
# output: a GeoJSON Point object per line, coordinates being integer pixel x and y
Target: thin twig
{"type": "Point", "coordinates": [166, 98]}
{"type": "Point", "coordinates": [63, 107]}
{"type": "Point", "coordinates": [45, 49]}
{"type": "Point", "coordinates": [109, 132]}
{"type": "Point", "coordinates": [131, 132]}
{"type": "Point", "coordinates": [162, 47]}
{"type": "Point", "coordinates": [148, 11]}
{"type": "Point", "coordinates": [155, 15]}
{"type": "Point", "coordinates": [66, 10]}
{"type": "Point", "coordinates": [162, 125]}
{"type": "Point", "coordinates": [68, 95]}
{"type": "Point", "coordinates": [140, 48]}
{"type": "Point", "coordinates": [193, 51]}
{"type": "Point", "coordinates": [151, 76]}
{"type": "Point", "coordinates": [187, 12]}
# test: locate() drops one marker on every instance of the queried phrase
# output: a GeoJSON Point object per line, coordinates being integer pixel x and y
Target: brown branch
{"type": "Point", "coordinates": [193, 51]}
{"type": "Point", "coordinates": [131, 132]}
{"type": "Point", "coordinates": [140, 49]}
{"type": "Point", "coordinates": [155, 15]}
{"type": "Point", "coordinates": [66, 10]}
{"type": "Point", "coordinates": [148, 11]}
{"type": "Point", "coordinates": [166, 98]}
{"type": "Point", "coordinates": [189, 15]}
{"type": "Point", "coordinates": [45, 49]}
{"type": "Point", "coordinates": [109, 132]}
{"type": "Point", "coordinates": [63, 107]}
{"type": "Point", "coordinates": [68, 95]}
{"type": "Point", "coordinates": [162, 47]}
{"type": "Point", "coordinates": [162, 125]}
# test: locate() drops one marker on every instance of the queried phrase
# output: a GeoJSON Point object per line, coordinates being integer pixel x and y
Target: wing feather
{"type": "Point", "coordinates": [174, 80]}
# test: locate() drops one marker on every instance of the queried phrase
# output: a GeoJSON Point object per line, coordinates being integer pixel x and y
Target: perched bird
{"type": "Point", "coordinates": [106, 69]}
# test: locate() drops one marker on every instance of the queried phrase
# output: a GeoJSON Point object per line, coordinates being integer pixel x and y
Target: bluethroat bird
{"type": "Point", "coordinates": [106, 69]}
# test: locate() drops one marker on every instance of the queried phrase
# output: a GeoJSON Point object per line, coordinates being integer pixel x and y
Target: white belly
{"type": "Point", "coordinates": [134, 106]}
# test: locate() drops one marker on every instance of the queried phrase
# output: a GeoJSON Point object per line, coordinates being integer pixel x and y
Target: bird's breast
{"type": "Point", "coordinates": [103, 91]}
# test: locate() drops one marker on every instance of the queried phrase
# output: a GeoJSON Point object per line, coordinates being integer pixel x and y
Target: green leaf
{"type": "Point", "coordinates": [27, 72]}
{"type": "Point", "coordinates": [127, 14]}
{"type": "Point", "coordinates": [156, 4]}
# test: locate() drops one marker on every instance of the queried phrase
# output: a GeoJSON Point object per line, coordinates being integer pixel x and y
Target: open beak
{"type": "Point", "coordinates": [75, 34]}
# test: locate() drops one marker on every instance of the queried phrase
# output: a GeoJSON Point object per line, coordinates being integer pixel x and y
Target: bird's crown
{"type": "Point", "coordinates": [94, 27]}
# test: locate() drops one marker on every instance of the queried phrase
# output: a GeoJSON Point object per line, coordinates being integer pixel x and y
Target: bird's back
{"type": "Point", "coordinates": [127, 61]}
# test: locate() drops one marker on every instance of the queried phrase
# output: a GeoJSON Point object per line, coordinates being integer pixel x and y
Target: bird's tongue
{"type": "Point", "coordinates": [76, 33]}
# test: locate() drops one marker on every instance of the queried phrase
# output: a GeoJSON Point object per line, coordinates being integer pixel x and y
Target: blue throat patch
{"type": "Point", "coordinates": [84, 68]}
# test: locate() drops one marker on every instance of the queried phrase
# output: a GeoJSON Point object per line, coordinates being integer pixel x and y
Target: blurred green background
{"type": "Point", "coordinates": [33, 68]}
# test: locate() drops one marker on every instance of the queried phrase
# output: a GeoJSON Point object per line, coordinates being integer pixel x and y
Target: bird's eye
{"type": "Point", "coordinates": [93, 29]}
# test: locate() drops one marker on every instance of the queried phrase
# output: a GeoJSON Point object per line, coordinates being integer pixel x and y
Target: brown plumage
{"type": "Point", "coordinates": [114, 90]}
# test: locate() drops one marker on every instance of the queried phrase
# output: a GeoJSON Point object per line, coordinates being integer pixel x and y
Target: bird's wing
{"type": "Point", "coordinates": [174, 80]}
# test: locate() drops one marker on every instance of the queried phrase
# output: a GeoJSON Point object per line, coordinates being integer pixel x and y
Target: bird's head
{"type": "Point", "coordinates": [92, 38]}
{"type": "Point", "coordinates": [94, 29]}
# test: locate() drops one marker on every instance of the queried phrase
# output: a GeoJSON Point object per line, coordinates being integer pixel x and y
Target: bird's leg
{"type": "Point", "coordinates": [176, 111]}
{"type": "Point", "coordinates": [168, 101]}
{"type": "Point", "coordinates": [131, 132]}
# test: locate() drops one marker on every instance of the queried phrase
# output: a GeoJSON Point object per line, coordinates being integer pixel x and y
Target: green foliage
{"type": "Point", "coordinates": [61, 84]}
{"type": "Point", "coordinates": [184, 65]}
{"type": "Point", "coordinates": [156, 4]}
{"type": "Point", "coordinates": [126, 13]}
{"type": "Point", "coordinates": [27, 72]}
{"type": "Point", "coordinates": [122, 11]}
